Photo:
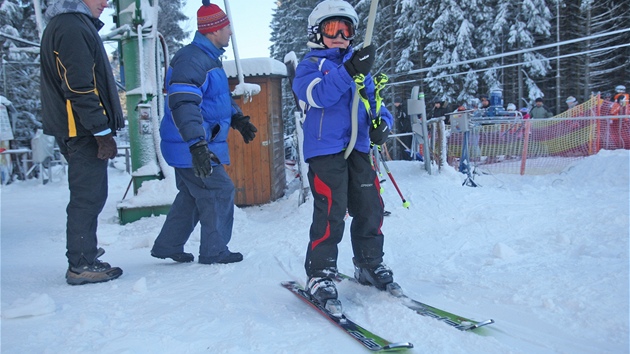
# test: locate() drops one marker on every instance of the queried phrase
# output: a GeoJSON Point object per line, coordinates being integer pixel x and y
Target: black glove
{"type": "Point", "coordinates": [379, 134]}
{"type": "Point", "coordinates": [361, 61]}
{"type": "Point", "coordinates": [202, 159]}
{"type": "Point", "coordinates": [107, 148]}
{"type": "Point", "coordinates": [242, 124]}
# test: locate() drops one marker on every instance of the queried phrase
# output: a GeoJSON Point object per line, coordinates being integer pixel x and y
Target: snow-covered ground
{"type": "Point", "coordinates": [546, 257]}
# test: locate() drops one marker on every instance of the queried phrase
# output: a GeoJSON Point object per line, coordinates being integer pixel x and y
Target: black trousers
{"type": "Point", "coordinates": [338, 185]}
{"type": "Point", "coordinates": [87, 181]}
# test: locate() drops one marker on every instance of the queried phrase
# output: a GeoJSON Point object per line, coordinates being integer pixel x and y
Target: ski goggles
{"type": "Point", "coordinates": [333, 27]}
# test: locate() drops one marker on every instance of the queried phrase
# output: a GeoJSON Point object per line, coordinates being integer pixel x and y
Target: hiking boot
{"type": "Point", "coordinates": [181, 257]}
{"type": "Point", "coordinates": [324, 292]}
{"type": "Point", "coordinates": [379, 276]}
{"type": "Point", "coordinates": [230, 257]}
{"type": "Point", "coordinates": [97, 272]}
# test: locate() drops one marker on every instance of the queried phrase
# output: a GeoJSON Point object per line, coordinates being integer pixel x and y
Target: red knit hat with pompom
{"type": "Point", "coordinates": [210, 18]}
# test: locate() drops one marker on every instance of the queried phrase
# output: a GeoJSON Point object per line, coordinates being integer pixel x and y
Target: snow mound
{"type": "Point", "coordinates": [34, 305]}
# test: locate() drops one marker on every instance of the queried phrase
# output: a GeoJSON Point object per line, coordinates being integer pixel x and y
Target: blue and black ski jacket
{"type": "Point", "coordinates": [326, 90]}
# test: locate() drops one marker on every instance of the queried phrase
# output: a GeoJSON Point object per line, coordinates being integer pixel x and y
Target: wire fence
{"type": "Point", "coordinates": [539, 146]}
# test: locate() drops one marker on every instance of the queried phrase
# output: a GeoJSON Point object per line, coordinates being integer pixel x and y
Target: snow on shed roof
{"type": "Point", "coordinates": [256, 67]}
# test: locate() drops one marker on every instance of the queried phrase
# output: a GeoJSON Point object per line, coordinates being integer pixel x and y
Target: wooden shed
{"type": "Point", "coordinates": [258, 168]}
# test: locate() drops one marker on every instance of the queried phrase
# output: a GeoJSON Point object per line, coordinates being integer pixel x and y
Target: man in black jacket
{"type": "Point", "coordinates": [81, 109]}
{"type": "Point", "coordinates": [440, 110]}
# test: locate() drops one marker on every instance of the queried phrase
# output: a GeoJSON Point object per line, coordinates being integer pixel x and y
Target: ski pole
{"type": "Point", "coordinates": [376, 167]}
{"type": "Point", "coordinates": [355, 101]}
{"type": "Point", "coordinates": [391, 177]}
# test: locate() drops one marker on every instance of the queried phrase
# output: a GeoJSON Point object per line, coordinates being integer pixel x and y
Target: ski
{"type": "Point", "coordinates": [368, 339]}
{"type": "Point", "coordinates": [453, 320]}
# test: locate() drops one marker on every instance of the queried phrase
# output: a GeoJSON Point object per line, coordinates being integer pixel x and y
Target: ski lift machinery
{"type": "Point", "coordinates": [417, 111]}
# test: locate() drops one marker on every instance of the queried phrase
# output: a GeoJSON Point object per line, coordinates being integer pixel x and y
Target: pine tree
{"type": "Point", "coordinates": [601, 68]}
{"type": "Point", "coordinates": [20, 68]}
{"type": "Point", "coordinates": [450, 43]}
{"type": "Point", "coordinates": [169, 18]}
{"type": "Point", "coordinates": [522, 24]}
{"type": "Point", "coordinates": [414, 22]}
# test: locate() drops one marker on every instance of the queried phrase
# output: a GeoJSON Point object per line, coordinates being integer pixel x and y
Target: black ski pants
{"type": "Point", "coordinates": [87, 181]}
{"type": "Point", "coordinates": [338, 185]}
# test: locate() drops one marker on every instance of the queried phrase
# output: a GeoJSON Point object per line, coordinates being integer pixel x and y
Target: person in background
{"type": "Point", "coordinates": [440, 110]}
{"type": "Point", "coordinates": [81, 109]}
{"type": "Point", "coordinates": [485, 103]}
{"type": "Point", "coordinates": [403, 125]}
{"type": "Point", "coordinates": [621, 97]}
{"type": "Point", "coordinates": [539, 110]}
{"type": "Point", "coordinates": [324, 84]}
{"type": "Point", "coordinates": [481, 113]}
{"type": "Point", "coordinates": [525, 113]}
{"type": "Point", "coordinates": [511, 107]}
{"type": "Point", "coordinates": [199, 110]}
{"type": "Point", "coordinates": [610, 106]}
{"type": "Point", "coordinates": [571, 102]}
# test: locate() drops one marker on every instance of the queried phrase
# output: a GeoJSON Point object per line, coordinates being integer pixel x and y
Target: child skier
{"type": "Point", "coordinates": [325, 87]}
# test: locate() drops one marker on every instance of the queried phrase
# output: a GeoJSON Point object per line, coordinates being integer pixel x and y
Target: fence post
{"type": "Point", "coordinates": [528, 125]}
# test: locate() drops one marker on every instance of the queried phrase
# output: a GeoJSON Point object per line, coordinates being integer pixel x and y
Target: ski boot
{"type": "Point", "coordinates": [380, 277]}
{"type": "Point", "coordinates": [324, 292]}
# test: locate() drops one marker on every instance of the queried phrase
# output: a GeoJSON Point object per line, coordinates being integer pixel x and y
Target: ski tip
{"type": "Point", "coordinates": [478, 325]}
{"type": "Point", "coordinates": [485, 323]}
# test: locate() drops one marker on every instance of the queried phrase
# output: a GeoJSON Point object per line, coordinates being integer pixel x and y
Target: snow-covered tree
{"type": "Point", "coordinates": [603, 69]}
{"type": "Point", "coordinates": [522, 24]}
{"type": "Point", "coordinates": [20, 67]}
{"type": "Point", "coordinates": [451, 42]}
{"type": "Point", "coordinates": [170, 17]}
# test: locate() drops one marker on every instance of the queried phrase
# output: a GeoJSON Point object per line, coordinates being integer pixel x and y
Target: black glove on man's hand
{"type": "Point", "coordinates": [202, 159]}
{"type": "Point", "coordinates": [107, 148]}
{"type": "Point", "coordinates": [243, 125]}
{"type": "Point", "coordinates": [379, 134]}
{"type": "Point", "coordinates": [361, 61]}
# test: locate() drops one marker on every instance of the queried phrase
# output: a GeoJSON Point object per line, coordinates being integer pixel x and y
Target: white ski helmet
{"type": "Point", "coordinates": [511, 107]}
{"type": "Point", "coordinates": [324, 10]}
{"type": "Point", "coordinates": [620, 88]}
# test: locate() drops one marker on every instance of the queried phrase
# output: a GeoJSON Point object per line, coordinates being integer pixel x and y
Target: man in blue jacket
{"type": "Point", "coordinates": [325, 87]}
{"type": "Point", "coordinates": [199, 111]}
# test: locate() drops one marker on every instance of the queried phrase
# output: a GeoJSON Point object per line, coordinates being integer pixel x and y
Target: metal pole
{"type": "Point", "coordinates": [425, 133]}
{"type": "Point", "coordinates": [237, 59]}
{"type": "Point", "coordinates": [140, 106]}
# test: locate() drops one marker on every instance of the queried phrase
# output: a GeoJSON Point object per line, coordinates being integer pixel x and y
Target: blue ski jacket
{"type": "Point", "coordinates": [326, 90]}
{"type": "Point", "coordinates": [198, 105]}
